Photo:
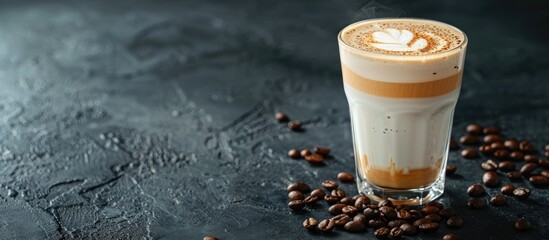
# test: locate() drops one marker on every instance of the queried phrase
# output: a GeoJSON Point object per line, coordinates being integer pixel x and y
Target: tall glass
{"type": "Point", "coordinates": [401, 108]}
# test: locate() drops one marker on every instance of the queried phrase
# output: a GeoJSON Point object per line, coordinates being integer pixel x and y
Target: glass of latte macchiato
{"type": "Point", "coordinates": [402, 79]}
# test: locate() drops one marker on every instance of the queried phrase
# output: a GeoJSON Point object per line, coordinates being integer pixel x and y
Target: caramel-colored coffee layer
{"type": "Point", "coordinates": [401, 90]}
{"type": "Point", "coordinates": [398, 178]}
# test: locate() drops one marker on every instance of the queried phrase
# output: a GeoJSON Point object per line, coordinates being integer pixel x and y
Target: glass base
{"type": "Point", "coordinates": [411, 197]}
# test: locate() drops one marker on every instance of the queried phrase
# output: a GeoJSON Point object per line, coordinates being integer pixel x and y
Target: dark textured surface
{"type": "Point", "coordinates": [136, 120]}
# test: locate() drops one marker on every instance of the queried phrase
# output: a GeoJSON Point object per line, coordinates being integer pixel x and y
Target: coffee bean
{"type": "Point", "coordinates": [318, 192]}
{"type": "Point", "coordinates": [474, 128]}
{"type": "Point", "coordinates": [362, 203]}
{"type": "Point", "coordinates": [314, 158]}
{"type": "Point", "coordinates": [430, 209]}
{"type": "Point", "coordinates": [453, 144]}
{"type": "Point", "coordinates": [497, 145]}
{"type": "Point", "coordinates": [523, 225]}
{"type": "Point", "coordinates": [526, 146]}
{"type": "Point", "coordinates": [336, 209]}
{"type": "Point", "coordinates": [486, 149]}
{"type": "Point", "coordinates": [296, 204]}
{"type": "Point", "coordinates": [360, 217]}
{"type": "Point", "coordinates": [506, 166]}
{"type": "Point", "coordinates": [311, 200]}
{"type": "Point", "coordinates": [396, 233]}
{"type": "Point", "coordinates": [404, 215]}
{"type": "Point", "coordinates": [350, 210]}
{"type": "Point", "coordinates": [521, 193]}
{"type": "Point", "coordinates": [281, 117]}
{"type": "Point", "coordinates": [539, 181]}
{"type": "Point", "coordinates": [476, 203]}
{"type": "Point", "coordinates": [454, 222]}
{"type": "Point", "coordinates": [530, 158]}
{"type": "Point", "coordinates": [371, 213]}
{"type": "Point", "coordinates": [389, 213]}
{"type": "Point", "coordinates": [355, 226]}
{"type": "Point", "coordinates": [294, 153]}
{"type": "Point", "coordinates": [469, 140]}
{"type": "Point", "coordinates": [475, 190]}
{"type": "Point", "coordinates": [416, 214]}
{"type": "Point", "coordinates": [543, 163]}
{"type": "Point", "coordinates": [491, 130]}
{"type": "Point", "coordinates": [450, 236]}
{"type": "Point", "coordinates": [501, 153]}
{"type": "Point", "coordinates": [324, 151]}
{"type": "Point", "coordinates": [469, 153]}
{"type": "Point", "coordinates": [428, 227]}
{"type": "Point", "coordinates": [295, 195]}
{"type": "Point", "coordinates": [382, 233]}
{"type": "Point", "coordinates": [447, 212]}
{"type": "Point", "coordinates": [385, 202]}
{"type": "Point", "coordinates": [546, 154]}
{"type": "Point", "coordinates": [345, 177]}
{"type": "Point", "coordinates": [341, 219]}
{"type": "Point", "coordinates": [527, 168]}
{"type": "Point", "coordinates": [421, 221]}
{"type": "Point", "coordinates": [498, 200]}
{"type": "Point", "coordinates": [330, 185]}
{"type": "Point", "coordinates": [545, 173]}
{"type": "Point", "coordinates": [490, 179]}
{"type": "Point", "coordinates": [489, 165]}
{"type": "Point", "coordinates": [347, 201]}
{"type": "Point", "coordinates": [305, 152]}
{"type": "Point", "coordinates": [511, 144]}
{"type": "Point", "coordinates": [516, 155]}
{"type": "Point", "coordinates": [490, 138]}
{"type": "Point", "coordinates": [294, 125]}
{"type": "Point", "coordinates": [433, 217]}
{"type": "Point", "coordinates": [310, 224]}
{"type": "Point", "coordinates": [355, 197]}
{"type": "Point", "coordinates": [210, 238]}
{"type": "Point", "coordinates": [514, 175]}
{"type": "Point", "coordinates": [408, 229]}
{"type": "Point", "coordinates": [507, 189]}
{"type": "Point", "coordinates": [339, 193]}
{"type": "Point", "coordinates": [396, 223]}
{"type": "Point", "coordinates": [450, 169]}
{"type": "Point", "coordinates": [299, 186]}
{"type": "Point", "coordinates": [375, 224]}
{"type": "Point", "coordinates": [331, 199]}
{"type": "Point", "coordinates": [326, 225]}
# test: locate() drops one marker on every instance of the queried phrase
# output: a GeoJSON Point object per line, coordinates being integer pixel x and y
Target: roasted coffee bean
{"type": "Point", "coordinates": [523, 225]}
{"type": "Point", "coordinates": [530, 158]}
{"type": "Point", "coordinates": [324, 151]}
{"type": "Point", "coordinates": [416, 214]}
{"type": "Point", "coordinates": [305, 152]}
{"type": "Point", "coordinates": [396, 233]}
{"type": "Point", "coordinates": [345, 177]}
{"type": "Point", "coordinates": [326, 225]}
{"type": "Point", "coordinates": [375, 224]}
{"type": "Point", "coordinates": [436, 204]}
{"type": "Point", "coordinates": [511, 144]}
{"type": "Point", "coordinates": [490, 179]}
{"type": "Point", "coordinates": [453, 144]}
{"type": "Point", "coordinates": [521, 193]}
{"type": "Point", "coordinates": [330, 185]}
{"type": "Point", "coordinates": [362, 203]}
{"type": "Point", "coordinates": [527, 168]}
{"type": "Point", "coordinates": [543, 163]}
{"type": "Point", "coordinates": [311, 200]}
{"type": "Point", "coordinates": [350, 210]}
{"type": "Point", "coordinates": [295, 195]}
{"type": "Point", "coordinates": [296, 204]}
{"type": "Point", "coordinates": [404, 215]}
{"type": "Point", "coordinates": [429, 209]}
{"type": "Point", "coordinates": [526, 146]}
{"type": "Point", "coordinates": [433, 217]}
{"type": "Point", "coordinates": [486, 149]}
{"type": "Point", "coordinates": [318, 192]}
{"type": "Point", "coordinates": [476, 203]}
{"type": "Point", "coordinates": [339, 193]}
{"type": "Point", "coordinates": [298, 186]}
{"type": "Point", "coordinates": [347, 201]}
{"type": "Point", "coordinates": [428, 227]}
{"type": "Point", "coordinates": [545, 173]}
{"type": "Point", "coordinates": [489, 165]}
{"type": "Point", "coordinates": [355, 226]}
{"type": "Point", "coordinates": [454, 222]}
{"type": "Point", "coordinates": [474, 128]}
{"type": "Point", "coordinates": [490, 138]}
{"type": "Point", "coordinates": [421, 221]}
{"type": "Point", "coordinates": [475, 190]}
{"type": "Point", "coordinates": [506, 166]}
{"type": "Point", "coordinates": [507, 189]}
{"type": "Point", "coordinates": [382, 233]}
{"type": "Point", "coordinates": [491, 130]}
{"type": "Point", "coordinates": [331, 199]}
{"type": "Point", "coordinates": [310, 224]}
{"type": "Point", "coordinates": [210, 238]}
{"type": "Point", "coordinates": [294, 153]}
{"type": "Point", "coordinates": [497, 145]}
{"type": "Point", "coordinates": [501, 153]}
{"type": "Point", "coordinates": [450, 169]}
{"type": "Point", "coordinates": [360, 217]}
{"type": "Point", "coordinates": [408, 229]}
{"type": "Point", "coordinates": [539, 181]}
{"type": "Point", "coordinates": [373, 206]}
{"type": "Point", "coordinates": [355, 197]}
{"type": "Point", "coordinates": [447, 212]}
{"type": "Point", "coordinates": [469, 153]}
{"type": "Point", "coordinates": [294, 125]}
{"type": "Point", "coordinates": [389, 213]}
{"type": "Point", "coordinates": [336, 209]}
{"type": "Point", "coordinates": [514, 175]}
{"type": "Point", "coordinates": [385, 202]}
{"type": "Point", "coordinates": [371, 213]}
{"type": "Point", "coordinates": [450, 236]}
{"type": "Point", "coordinates": [314, 158]}
{"type": "Point", "coordinates": [396, 223]}
{"type": "Point", "coordinates": [516, 155]}
{"type": "Point", "coordinates": [341, 219]}
{"type": "Point", "coordinates": [281, 117]}
{"type": "Point", "coordinates": [469, 140]}
{"type": "Point", "coordinates": [546, 154]}
{"type": "Point", "coordinates": [498, 200]}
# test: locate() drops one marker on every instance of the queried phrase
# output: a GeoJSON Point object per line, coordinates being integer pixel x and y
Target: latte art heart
{"type": "Point", "coordinates": [398, 40]}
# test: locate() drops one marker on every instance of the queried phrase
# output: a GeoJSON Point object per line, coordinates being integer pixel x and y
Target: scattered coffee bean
{"type": "Point", "coordinates": [339, 193]}
{"type": "Point", "coordinates": [433, 217]}
{"type": "Point", "coordinates": [507, 189]}
{"type": "Point", "coordinates": [350, 210]}
{"type": "Point", "coordinates": [526, 146]}
{"type": "Point", "coordinates": [416, 214]}
{"type": "Point", "coordinates": [382, 233]}
{"type": "Point", "coordinates": [486, 149]}
{"type": "Point", "coordinates": [523, 225]}
{"type": "Point", "coordinates": [539, 181]}
{"type": "Point", "coordinates": [295, 195]}
{"type": "Point", "coordinates": [501, 153]}
{"type": "Point", "coordinates": [305, 152]}
{"type": "Point", "coordinates": [331, 199]}
{"type": "Point", "coordinates": [326, 225]}
{"type": "Point", "coordinates": [421, 221]}
{"type": "Point", "coordinates": [447, 212]}
{"type": "Point", "coordinates": [345, 177]}
{"type": "Point", "coordinates": [210, 238]}
{"type": "Point", "coordinates": [330, 185]}
{"type": "Point", "coordinates": [490, 179]}
{"type": "Point", "coordinates": [310, 224]}
{"type": "Point", "coordinates": [336, 209]}
{"type": "Point", "coordinates": [450, 236]}
{"type": "Point", "coordinates": [294, 125]}
{"type": "Point", "coordinates": [294, 153]}
{"type": "Point", "coordinates": [362, 203]}
{"type": "Point", "coordinates": [389, 213]}
{"type": "Point", "coordinates": [511, 144]}
{"type": "Point", "coordinates": [475, 190]}
{"type": "Point", "coordinates": [527, 168]}
{"type": "Point", "coordinates": [296, 204]}
{"type": "Point", "coordinates": [476, 203]}
{"type": "Point", "coordinates": [319, 193]}
{"type": "Point", "coordinates": [498, 200]}
{"type": "Point", "coordinates": [454, 222]}
{"type": "Point", "coordinates": [543, 163]}
{"type": "Point", "coordinates": [450, 169]}
{"type": "Point", "coordinates": [360, 217]}
{"type": "Point", "coordinates": [546, 154]}
{"type": "Point", "coordinates": [385, 202]}
{"type": "Point", "coordinates": [324, 151]}
{"type": "Point", "coordinates": [545, 173]}
{"type": "Point", "coordinates": [490, 138]}
{"type": "Point", "coordinates": [521, 193]}
{"type": "Point", "coordinates": [299, 186]}
{"type": "Point", "coordinates": [516, 155]}
{"type": "Point", "coordinates": [281, 117]}
{"type": "Point", "coordinates": [428, 227]}
{"type": "Point", "coordinates": [370, 213]}
{"type": "Point", "coordinates": [404, 215]}
{"type": "Point", "coordinates": [311, 200]}
{"type": "Point", "coordinates": [408, 229]}
{"type": "Point", "coordinates": [489, 165]}
{"type": "Point", "coordinates": [314, 158]}
{"type": "Point", "coordinates": [491, 130]}
{"type": "Point", "coordinates": [347, 201]}
{"type": "Point", "coordinates": [514, 175]}
{"type": "Point", "coordinates": [453, 144]}
{"type": "Point", "coordinates": [430, 209]}
{"type": "Point", "coordinates": [530, 158]}
{"type": "Point", "coordinates": [496, 145]}
{"type": "Point", "coordinates": [355, 226]}
{"type": "Point", "coordinates": [396, 233]}
{"type": "Point", "coordinates": [474, 128]}
{"type": "Point", "coordinates": [506, 166]}
{"type": "Point", "coordinates": [396, 223]}
{"type": "Point", "coordinates": [355, 197]}
{"type": "Point", "coordinates": [469, 140]}
{"type": "Point", "coordinates": [469, 153]}
{"type": "Point", "coordinates": [341, 219]}
{"type": "Point", "coordinates": [375, 224]}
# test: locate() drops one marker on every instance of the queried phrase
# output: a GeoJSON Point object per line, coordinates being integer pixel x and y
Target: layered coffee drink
{"type": "Point", "coordinates": [402, 79]}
